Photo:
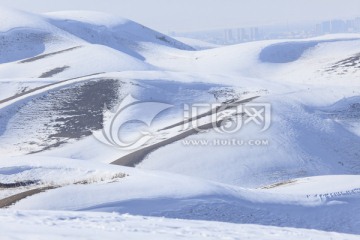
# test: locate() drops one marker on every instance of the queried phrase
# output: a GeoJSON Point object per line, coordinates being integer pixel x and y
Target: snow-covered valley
{"type": "Point", "coordinates": [64, 170]}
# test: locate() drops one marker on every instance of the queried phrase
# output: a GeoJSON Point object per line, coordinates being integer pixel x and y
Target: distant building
{"type": "Point", "coordinates": [318, 29]}
{"type": "Point", "coordinates": [240, 34]}
{"type": "Point", "coordinates": [254, 34]}
{"type": "Point", "coordinates": [228, 36]}
{"type": "Point", "coordinates": [246, 34]}
{"type": "Point", "coordinates": [338, 26]}
{"type": "Point", "coordinates": [357, 24]}
{"type": "Point", "coordinates": [350, 25]}
{"type": "Point", "coordinates": [326, 27]}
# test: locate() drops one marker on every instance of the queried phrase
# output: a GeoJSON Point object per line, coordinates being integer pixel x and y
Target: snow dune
{"type": "Point", "coordinates": [297, 203]}
{"type": "Point", "coordinates": [75, 225]}
{"type": "Point", "coordinates": [306, 177]}
{"type": "Point", "coordinates": [99, 36]}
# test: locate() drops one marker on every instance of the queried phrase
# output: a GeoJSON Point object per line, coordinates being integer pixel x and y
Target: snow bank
{"type": "Point", "coordinates": [75, 225]}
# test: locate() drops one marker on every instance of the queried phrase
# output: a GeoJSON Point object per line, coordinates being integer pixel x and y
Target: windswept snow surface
{"type": "Point", "coordinates": [61, 74]}
{"type": "Point", "coordinates": [112, 31]}
{"type": "Point", "coordinates": [76, 225]}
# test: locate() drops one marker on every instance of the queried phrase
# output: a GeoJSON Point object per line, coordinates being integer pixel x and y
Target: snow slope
{"type": "Point", "coordinates": [197, 44]}
{"type": "Point", "coordinates": [75, 62]}
{"type": "Point", "coordinates": [61, 69]}
{"type": "Point", "coordinates": [152, 193]}
{"type": "Point", "coordinates": [115, 32]}
{"type": "Point", "coordinates": [59, 37]}
{"type": "Point", "coordinates": [25, 35]}
{"type": "Point", "coordinates": [75, 225]}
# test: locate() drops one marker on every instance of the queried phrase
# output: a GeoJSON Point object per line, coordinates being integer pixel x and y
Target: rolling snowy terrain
{"type": "Point", "coordinates": [63, 74]}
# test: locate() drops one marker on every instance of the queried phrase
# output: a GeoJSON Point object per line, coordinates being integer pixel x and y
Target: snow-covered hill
{"type": "Point", "coordinates": [71, 225]}
{"type": "Point", "coordinates": [60, 75]}
{"type": "Point", "coordinates": [70, 41]}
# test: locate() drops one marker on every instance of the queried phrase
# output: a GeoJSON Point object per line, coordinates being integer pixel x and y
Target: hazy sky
{"type": "Point", "coordinates": [189, 15]}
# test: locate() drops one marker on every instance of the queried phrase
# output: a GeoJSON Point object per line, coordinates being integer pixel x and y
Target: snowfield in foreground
{"type": "Point", "coordinates": [62, 76]}
{"type": "Point", "coordinates": [73, 225]}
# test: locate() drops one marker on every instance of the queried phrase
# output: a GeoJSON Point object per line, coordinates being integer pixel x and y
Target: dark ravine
{"type": "Point", "coordinates": [138, 156]}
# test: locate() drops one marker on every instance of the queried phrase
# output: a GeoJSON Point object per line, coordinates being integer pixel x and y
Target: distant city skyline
{"type": "Point", "coordinates": [256, 33]}
{"type": "Point", "coordinates": [195, 15]}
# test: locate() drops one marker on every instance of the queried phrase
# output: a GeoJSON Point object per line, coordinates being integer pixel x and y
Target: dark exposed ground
{"type": "Point", "coordinates": [76, 111]}
{"type": "Point", "coordinates": [62, 114]}
{"type": "Point", "coordinates": [18, 184]}
{"type": "Point", "coordinates": [33, 59]}
{"type": "Point", "coordinates": [223, 107]}
{"type": "Point", "coordinates": [81, 107]}
{"type": "Point", "coordinates": [138, 156]}
{"type": "Point", "coordinates": [348, 112]}
{"type": "Point", "coordinates": [343, 65]}
{"type": "Point", "coordinates": [19, 43]}
{"type": "Point", "coordinates": [53, 72]}
{"type": "Point", "coordinates": [42, 87]}
{"type": "Point", "coordinates": [7, 202]}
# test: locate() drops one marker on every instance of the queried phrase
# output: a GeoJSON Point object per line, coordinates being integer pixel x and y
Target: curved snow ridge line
{"type": "Point", "coordinates": [7, 202]}
{"type": "Point", "coordinates": [82, 23]}
{"type": "Point", "coordinates": [42, 56]}
{"type": "Point", "coordinates": [40, 90]}
{"type": "Point", "coordinates": [20, 44]}
{"type": "Point", "coordinates": [24, 28]}
{"type": "Point", "coordinates": [11, 200]}
{"type": "Point", "coordinates": [138, 156]}
{"type": "Point", "coordinates": [339, 194]}
{"type": "Point", "coordinates": [241, 198]}
{"type": "Point", "coordinates": [223, 107]}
